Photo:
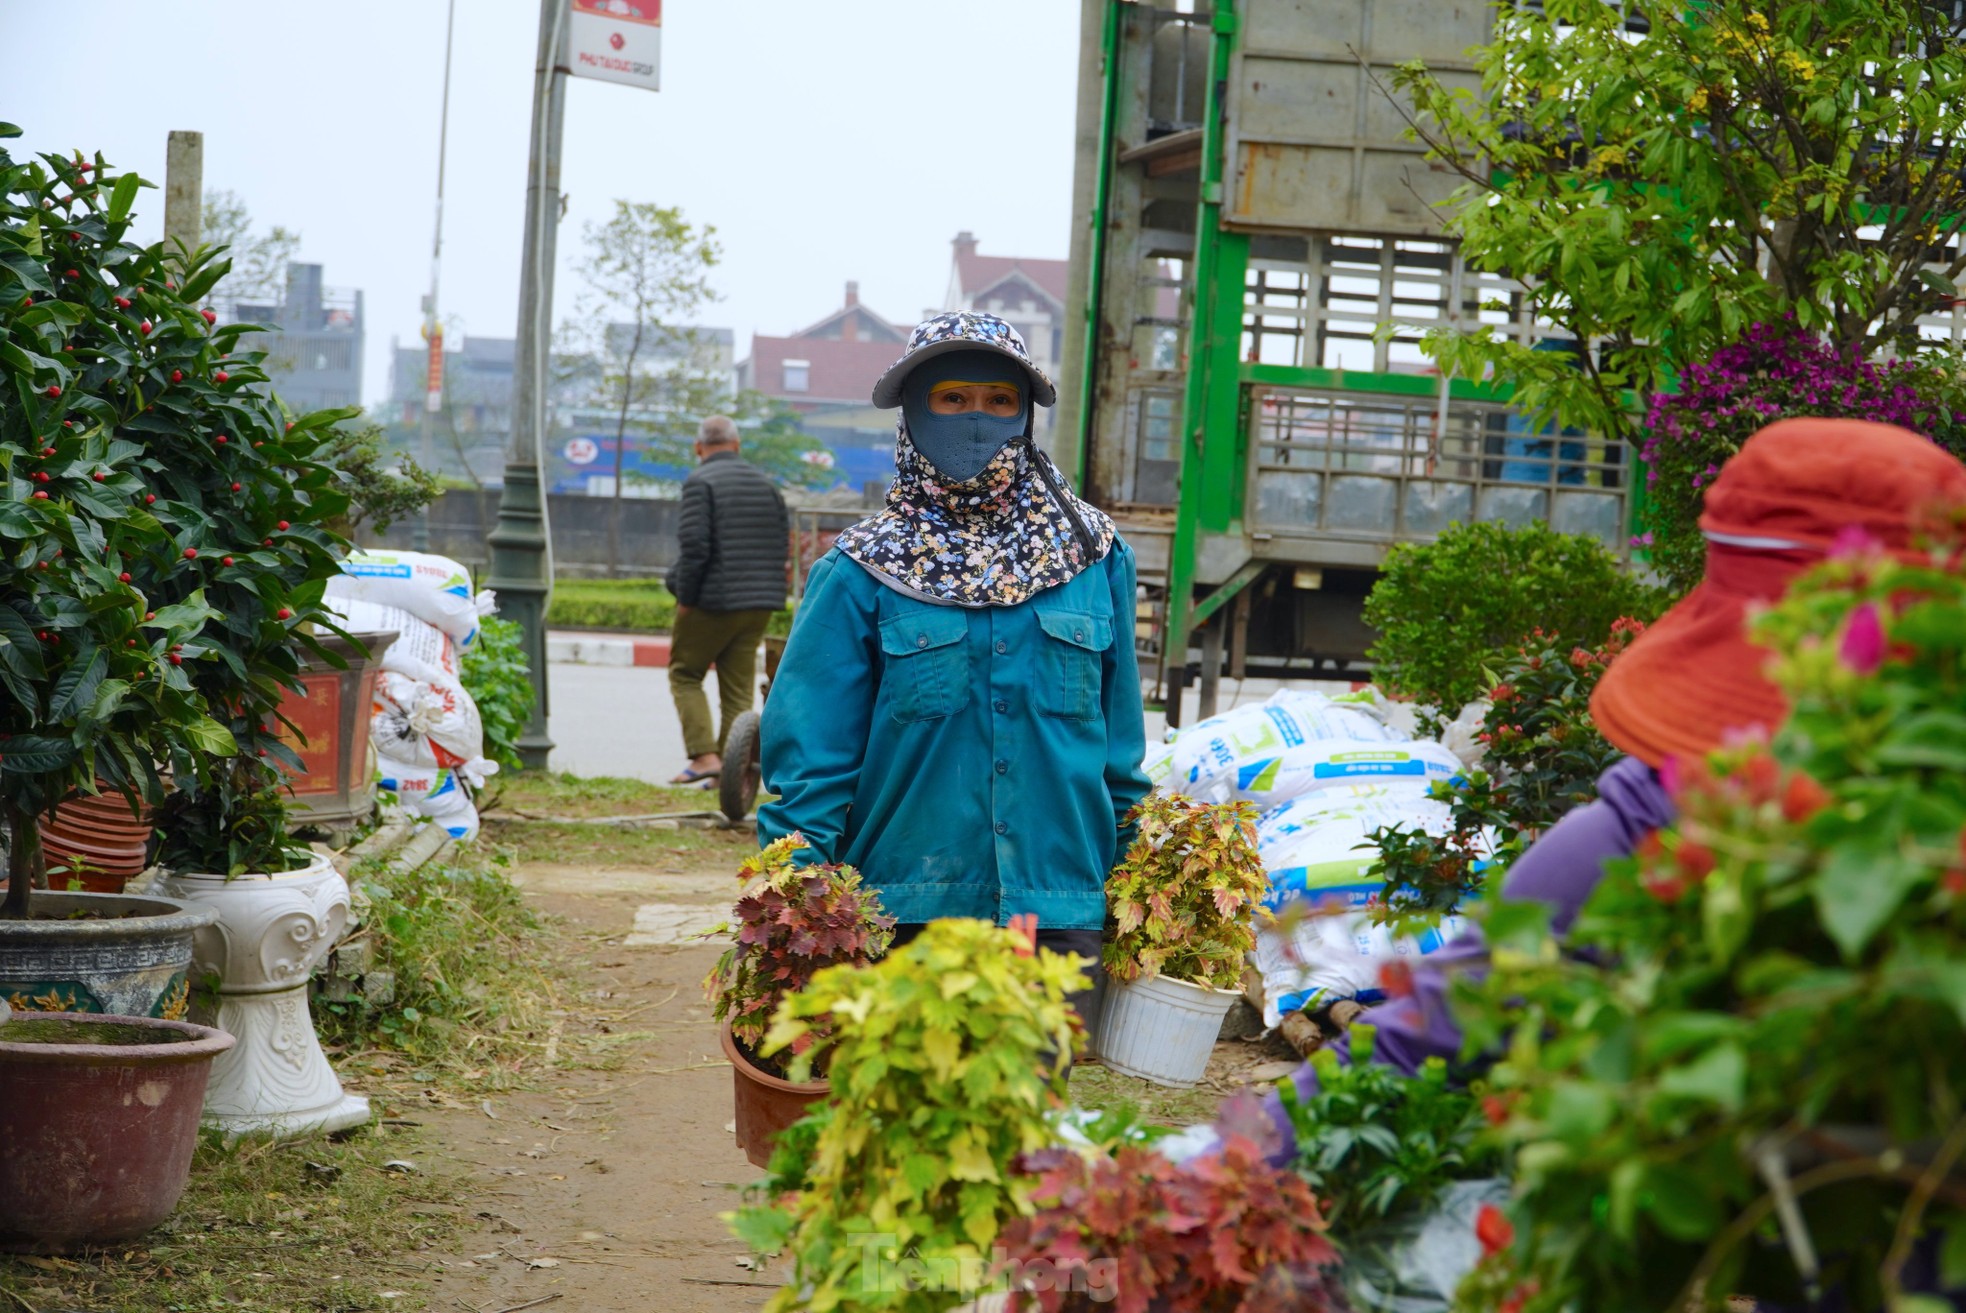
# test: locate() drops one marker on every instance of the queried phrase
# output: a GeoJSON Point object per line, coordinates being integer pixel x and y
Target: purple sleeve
{"type": "Point", "coordinates": [1561, 869]}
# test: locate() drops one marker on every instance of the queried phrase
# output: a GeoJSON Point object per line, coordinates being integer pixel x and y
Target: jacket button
{"type": "Point", "coordinates": [1003, 768]}
{"type": "Point", "coordinates": [1001, 705]}
{"type": "Point", "coordinates": [922, 641]}
{"type": "Point", "coordinates": [1003, 827]}
{"type": "Point", "coordinates": [1002, 647]}
{"type": "Point", "coordinates": [1078, 635]}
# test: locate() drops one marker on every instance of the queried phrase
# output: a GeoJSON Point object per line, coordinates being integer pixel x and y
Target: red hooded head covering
{"type": "Point", "coordinates": [1773, 512]}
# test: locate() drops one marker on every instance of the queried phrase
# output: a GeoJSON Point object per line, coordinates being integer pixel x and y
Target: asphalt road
{"type": "Point", "coordinates": [616, 720]}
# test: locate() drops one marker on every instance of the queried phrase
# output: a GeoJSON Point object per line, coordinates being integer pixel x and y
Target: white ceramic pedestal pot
{"type": "Point", "coordinates": [1161, 1029]}
{"type": "Point", "coordinates": [272, 931]}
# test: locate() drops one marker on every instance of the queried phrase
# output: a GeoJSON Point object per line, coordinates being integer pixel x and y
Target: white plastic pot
{"type": "Point", "coordinates": [1161, 1029]}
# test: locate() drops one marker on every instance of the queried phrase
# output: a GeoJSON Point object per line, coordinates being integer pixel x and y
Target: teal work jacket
{"type": "Point", "coordinates": [972, 762]}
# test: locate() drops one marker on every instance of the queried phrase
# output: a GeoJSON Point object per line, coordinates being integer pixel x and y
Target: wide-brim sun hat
{"type": "Point", "coordinates": [962, 330]}
{"type": "Point", "coordinates": [1775, 510]}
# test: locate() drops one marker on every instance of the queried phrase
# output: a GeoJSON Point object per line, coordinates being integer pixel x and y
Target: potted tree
{"type": "Point", "coordinates": [791, 922]}
{"type": "Point", "coordinates": [1184, 901]}
{"type": "Point", "coordinates": [97, 594]}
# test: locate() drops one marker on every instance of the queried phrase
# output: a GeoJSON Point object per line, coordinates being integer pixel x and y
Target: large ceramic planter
{"type": "Point", "coordinates": [110, 953]}
{"type": "Point", "coordinates": [270, 932]}
{"type": "Point", "coordinates": [1161, 1029]}
{"type": "Point", "coordinates": [766, 1104]}
{"type": "Point", "coordinates": [98, 1119]}
{"type": "Point", "coordinates": [332, 711]}
{"type": "Point", "coordinates": [98, 841]}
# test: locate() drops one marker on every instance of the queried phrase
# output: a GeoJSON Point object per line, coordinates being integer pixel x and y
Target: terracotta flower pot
{"type": "Point", "coordinates": [99, 1116]}
{"type": "Point", "coordinates": [766, 1104]}
{"type": "Point", "coordinates": [102, 845]}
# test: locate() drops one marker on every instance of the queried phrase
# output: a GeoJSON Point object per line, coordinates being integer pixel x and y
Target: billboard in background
{"type": "Point", "coordinates": [616, 41]}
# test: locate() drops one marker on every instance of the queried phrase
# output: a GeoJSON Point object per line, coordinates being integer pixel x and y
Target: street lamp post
{"type": "Point", "coordinates": [521, 545]}
{"type": "Point", "coordinates": [433, 332]}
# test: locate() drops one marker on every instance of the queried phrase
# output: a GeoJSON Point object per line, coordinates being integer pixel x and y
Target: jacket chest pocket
{"type": "Point", "coordinates": [1075, 644]}
{"type": "Point", "coordinates": [927, 663]}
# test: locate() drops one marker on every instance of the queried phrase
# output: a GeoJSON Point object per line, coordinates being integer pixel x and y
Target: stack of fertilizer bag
{"type": "Point", "coordinates": [428, 739]}
{"type": "Point", "coordinates": [1326, 772]}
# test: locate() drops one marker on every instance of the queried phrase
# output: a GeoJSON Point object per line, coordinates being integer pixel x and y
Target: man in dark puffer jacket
{"type": "Point", "coordinates": [728, 579]}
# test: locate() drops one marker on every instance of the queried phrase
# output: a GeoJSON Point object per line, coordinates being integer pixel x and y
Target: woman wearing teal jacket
{"type": "Point", "coordinates": [958, 712]}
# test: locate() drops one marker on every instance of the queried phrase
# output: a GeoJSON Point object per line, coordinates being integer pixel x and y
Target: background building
{"type": "Point", "coordinates": [315, 356]}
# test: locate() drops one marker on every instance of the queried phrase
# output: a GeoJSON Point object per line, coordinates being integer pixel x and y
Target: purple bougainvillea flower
{"type": "Point", "coordinates": [1862, 649]}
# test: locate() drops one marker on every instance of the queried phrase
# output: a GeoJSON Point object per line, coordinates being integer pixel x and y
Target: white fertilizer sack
{"type": "Point", "coordinates": [434, 792]}
{"type": "Point", "coordinates": [1208, 757]}
{"type": "Point", "coordinates": [1331, 763]}
{"type": "Point", "coordinates": [434, 589]}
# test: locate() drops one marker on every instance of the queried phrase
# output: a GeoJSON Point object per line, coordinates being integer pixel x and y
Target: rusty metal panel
{"type": "Point", "coordinates": [1314, 140]}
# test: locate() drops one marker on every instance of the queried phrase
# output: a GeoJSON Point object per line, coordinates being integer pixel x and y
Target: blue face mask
{"type": "Point", "coordinates": [959, 446]}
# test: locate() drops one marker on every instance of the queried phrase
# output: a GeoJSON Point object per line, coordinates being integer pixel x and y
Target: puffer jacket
{"type": "Point", "coordinates": [735, 535]}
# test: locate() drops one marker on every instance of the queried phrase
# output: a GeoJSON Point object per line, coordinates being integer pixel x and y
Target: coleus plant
{"type": "Point", "coordinates": [1187, 893]}
{"type": "Point", "coordinates": [944, 1068]}
{"type": "Point", "coordinates": [1746, 1071]}
{"type": "Point", "coordinates": [791, 922]}
{"type": "Point", "coordinates": [159, 548]}
{"type": "Point", "coordinates": [1225, 1233]}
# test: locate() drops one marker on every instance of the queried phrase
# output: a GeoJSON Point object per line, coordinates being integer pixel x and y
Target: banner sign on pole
{"type": "Point", "coordinates": [433, 396]}
{"type": "Point", "coordinates": [616, 41]}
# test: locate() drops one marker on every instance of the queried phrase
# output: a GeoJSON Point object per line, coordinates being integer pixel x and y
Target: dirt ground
{"type": "Point", "coordinates": [605, 1189]}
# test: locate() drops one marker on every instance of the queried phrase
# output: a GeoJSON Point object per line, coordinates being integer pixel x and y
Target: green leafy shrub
{"type": "Point", "coordinates": [1448, 610]}
{"type": "Point", "coordinates": [944, 1071]}
{"type": "Point", "coordinates": [1771, 991]}
{"type": "Point", "coordinates": [162, 522]}
{"type": "Point", "coordinates": [495, 674]}
{"type": "Point", "coordinates": [1544, 756]}
{"type": "Point", "coordinates": [1186, 892]}
{"type": "Point", "coordinates": [1378, 1146]}
{"type": "Point", "coordinates": [637, 605]}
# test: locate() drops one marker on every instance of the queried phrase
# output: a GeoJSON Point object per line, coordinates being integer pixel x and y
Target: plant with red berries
{"type": "Point", "coordinates": [791, 922]}
{"type": "Point", "coordinates": [146, 506]}
{"type": "Point", "coordinates": [1543, 755]}
{"type": "Point", "coordinates": [1226, 1233]}
{"type": "Point", "coordinates": [1767, 1004]}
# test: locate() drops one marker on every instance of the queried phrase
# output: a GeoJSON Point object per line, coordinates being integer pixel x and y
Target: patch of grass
{"type": "Point", "coordinates": [614, 845]}
{"type": "Point", "coordinates": [472, 968]}
{"type": "Point", "coordinates": [275, 1226]}
{"type": "Point", "coordinates": [556, 793]}
{"type": "Point", "coordinates": [1102, 1090]}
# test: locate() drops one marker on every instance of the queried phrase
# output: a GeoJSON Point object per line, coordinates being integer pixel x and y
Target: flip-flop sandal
{"type": "Point", "coordinates": [691, 778]}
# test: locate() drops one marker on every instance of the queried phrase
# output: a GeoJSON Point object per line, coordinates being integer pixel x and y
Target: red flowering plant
{"type": "Point", "coordinates": [1226, 1233]}
{"type": "Point", "coordinates": [1543, 756]}
{"type": "Point", "coordinates": [1747, 1069]}
{"type": "Point", "coordinates": [791, 922]}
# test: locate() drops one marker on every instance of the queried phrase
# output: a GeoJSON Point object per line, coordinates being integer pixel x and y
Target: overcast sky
{"type": "Point", "coordinates": [825, 141]}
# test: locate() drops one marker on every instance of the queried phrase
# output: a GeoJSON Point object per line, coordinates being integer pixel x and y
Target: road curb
{"type": "Point", "coordinates": [606, 650]}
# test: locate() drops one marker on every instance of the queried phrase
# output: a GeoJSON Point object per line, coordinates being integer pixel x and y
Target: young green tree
{"type": "Point", "coordinates": [646, 273]}
{"type": "Point", "coordinates": [259, 260]}
{"type": "Point", "coordinates": [1736, 162]}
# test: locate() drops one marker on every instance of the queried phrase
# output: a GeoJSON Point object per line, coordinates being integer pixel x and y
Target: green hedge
{"type": "Point", "coordinates": [640, 606]}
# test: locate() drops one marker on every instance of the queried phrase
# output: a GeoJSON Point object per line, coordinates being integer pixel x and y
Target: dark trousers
{"type": "Point", "coordinates": [1083, 942]}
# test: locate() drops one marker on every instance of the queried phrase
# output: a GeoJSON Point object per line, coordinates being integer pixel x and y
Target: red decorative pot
{"type": "Point", "coordinates": [99, 1116]}
{"type": "Point", "coordinates": [766, 1104]}
{"type": "Point", "coordinates": [95, 841]}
